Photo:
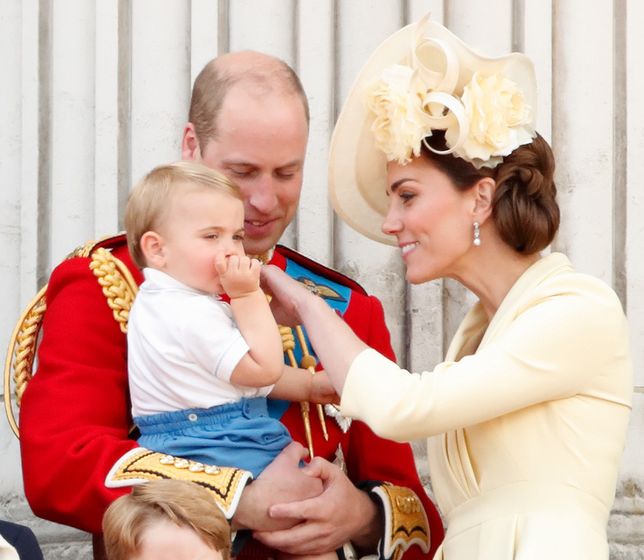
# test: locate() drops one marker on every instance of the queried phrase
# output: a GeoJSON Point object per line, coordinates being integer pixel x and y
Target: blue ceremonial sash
{"type": "Point", "coordinates": [336, 295]}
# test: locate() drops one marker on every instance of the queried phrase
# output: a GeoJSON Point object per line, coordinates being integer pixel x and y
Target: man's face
{"type": "Point", "coordinates": [261, 145]}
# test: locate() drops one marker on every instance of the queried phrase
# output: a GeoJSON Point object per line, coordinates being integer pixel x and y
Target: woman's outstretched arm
{"type": "Point", "coordinates": [333, 340]}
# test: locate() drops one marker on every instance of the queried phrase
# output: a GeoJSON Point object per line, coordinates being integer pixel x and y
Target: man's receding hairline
{"type": "Point", "coordinates": [260, 88]}
{"type": "Point", "coordinates": [260, 82]}
{"type": "Point", "coordinates": [245, 61]}
{"type": "Point", "coordinates": [256, 74]}
{"type": "Point", "coordinates": [265, 71]}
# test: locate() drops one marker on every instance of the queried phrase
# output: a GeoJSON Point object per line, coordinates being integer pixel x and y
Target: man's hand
{"type": "Point", "coordinates": [239, 275]}
{"type": "Point", "coordinates": [340, 514]}
{"type": "Point", "coordinates": [282, 481]}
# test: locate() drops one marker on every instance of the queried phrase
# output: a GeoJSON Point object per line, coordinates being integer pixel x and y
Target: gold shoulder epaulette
{"type": "Point", "coordinates": [86, 249]}
{"type": "Point", "coordinates": [116, 280]}
{"type": "Point", "coordinates": [117, 283]}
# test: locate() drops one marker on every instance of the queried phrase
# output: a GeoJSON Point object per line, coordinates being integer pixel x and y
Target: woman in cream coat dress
{"type": "Point", "coordinates": [527, 415]}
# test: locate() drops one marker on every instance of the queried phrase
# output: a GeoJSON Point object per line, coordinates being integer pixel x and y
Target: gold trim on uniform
{"type": "Point", "coordinates": [24, 339]}
{"type": "Point", "coordinates": [117, 283]}
{"type": "Point", "coordinates": [405, 520]}
{"type": "Point", "coordinates": [86, 249]}
{"type": "Point", "coordinates": [266, 257]}
{"type": "Point", "coordinates": [140, 465]}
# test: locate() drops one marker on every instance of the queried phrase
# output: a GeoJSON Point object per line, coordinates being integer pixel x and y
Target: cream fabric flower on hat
{"type": "Point", "coordinates": [399, 123]}
{"type": "Point", "coordinates": [485, 118]}
{"type": "Point", "coordinates": [499, 118]}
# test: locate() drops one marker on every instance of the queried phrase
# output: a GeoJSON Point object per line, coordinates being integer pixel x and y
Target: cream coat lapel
{"type": "Point", "coordinates": [523, 292]}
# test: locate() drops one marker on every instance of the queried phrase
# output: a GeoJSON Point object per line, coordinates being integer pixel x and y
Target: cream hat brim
{"type": "Point", "coordinates": [357, 169]}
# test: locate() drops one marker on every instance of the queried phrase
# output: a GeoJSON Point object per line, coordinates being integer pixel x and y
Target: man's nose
{"type": "Point", "coordinates": [262, 194]}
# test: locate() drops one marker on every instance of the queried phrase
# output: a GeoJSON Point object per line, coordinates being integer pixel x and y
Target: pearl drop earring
{"type": "Point", "coordinates": [477, 235]}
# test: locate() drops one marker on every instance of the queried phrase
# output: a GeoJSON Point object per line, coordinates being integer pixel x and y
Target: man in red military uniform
{"type": "Point", "coordinates": [248, 119]}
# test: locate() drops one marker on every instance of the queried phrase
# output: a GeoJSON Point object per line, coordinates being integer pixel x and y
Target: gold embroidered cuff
{"type": "Point", "coordinates": [405, 520]}
{"type": "Point", "coordinates": [139, 465]}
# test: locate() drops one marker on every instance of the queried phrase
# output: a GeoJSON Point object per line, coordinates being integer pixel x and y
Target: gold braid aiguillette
{"type": "Point", "coordinates": [309, 362]}
{"type": "Point", "coordinates": [288, 344]}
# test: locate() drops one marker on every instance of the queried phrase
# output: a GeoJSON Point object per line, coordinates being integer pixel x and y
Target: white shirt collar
{"type": "Point", "coordinates": [156, 279]}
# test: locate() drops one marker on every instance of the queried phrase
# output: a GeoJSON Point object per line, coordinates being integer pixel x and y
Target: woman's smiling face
{"type": "Point", "coordinates": [431, 219]}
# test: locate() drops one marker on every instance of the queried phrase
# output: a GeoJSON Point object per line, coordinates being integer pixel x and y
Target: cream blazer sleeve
{"type": "Point", "coordinates": [563, 336]}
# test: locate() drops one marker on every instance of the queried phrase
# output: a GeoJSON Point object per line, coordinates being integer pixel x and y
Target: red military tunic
{"type": "Point", "coordinates": [75, 414]}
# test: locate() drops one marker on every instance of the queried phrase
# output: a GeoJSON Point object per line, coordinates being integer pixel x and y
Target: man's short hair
{"type": "Point", "coordinates": [151, 198]}
{"type": "Point", "coordinates": [183, 503]}
{"type": "Point", "coordinates": [214, 82]}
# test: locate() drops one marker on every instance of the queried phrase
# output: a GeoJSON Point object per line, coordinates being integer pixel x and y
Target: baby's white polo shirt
{"type": "Point", "coordinates": [183, 346]}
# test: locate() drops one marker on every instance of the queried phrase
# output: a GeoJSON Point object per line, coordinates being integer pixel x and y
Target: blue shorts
{"type": "Point", "coordinates": [239, 434]}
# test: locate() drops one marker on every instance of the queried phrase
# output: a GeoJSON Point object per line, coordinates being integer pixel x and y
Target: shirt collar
{"type": "Point", "coordinates": [156, 279]}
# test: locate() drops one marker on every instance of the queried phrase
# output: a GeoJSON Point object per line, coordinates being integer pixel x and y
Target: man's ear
{"type": "Point", "coordinates": [190, 149]}
{"type": "Point", "coordinates": [153, 249]}
{"type": "Point", "coordinates": [483, 199]}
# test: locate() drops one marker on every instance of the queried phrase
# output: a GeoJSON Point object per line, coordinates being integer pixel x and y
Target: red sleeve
{"type": "Point", "coordinates": [75, 414]}
{"type": "Point", "coordinates": [369, 457]}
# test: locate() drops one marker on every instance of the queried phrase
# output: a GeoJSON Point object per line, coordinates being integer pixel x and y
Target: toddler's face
{"type": "Point", "coordinates": [166, 541]}
{"type": "Point", "coordinates": [200, 225]}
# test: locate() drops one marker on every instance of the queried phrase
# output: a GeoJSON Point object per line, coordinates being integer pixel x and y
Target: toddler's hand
{"type": "Point", "coordinates": [239, 275]}
{"type": "Point", "coordinates": [322, 392]}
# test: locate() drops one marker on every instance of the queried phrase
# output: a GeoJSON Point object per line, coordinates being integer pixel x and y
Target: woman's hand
{"type": "Point", "coordinates": [288, 295]}
{"type": "Point", "coordinates": [333, 341]}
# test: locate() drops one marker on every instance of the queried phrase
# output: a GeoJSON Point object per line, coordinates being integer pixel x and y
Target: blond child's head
{"type": "Point", "coordinates": [179, 217]}
{"type": "Point", "coordinates": [166, 519]}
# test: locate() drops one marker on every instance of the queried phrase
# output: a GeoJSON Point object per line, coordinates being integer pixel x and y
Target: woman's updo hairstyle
{"type": "Point", "coordinates": [525, 209]}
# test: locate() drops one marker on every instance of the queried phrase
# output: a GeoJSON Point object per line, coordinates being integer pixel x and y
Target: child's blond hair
{"type": "Point", "coordinates": [151, 197]}
{"type": "Point", "coordinates": [183, 503]}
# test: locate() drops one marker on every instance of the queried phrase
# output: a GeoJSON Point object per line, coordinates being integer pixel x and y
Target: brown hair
{"type": "Point", "coordinates": [525, 209]}
{"type": "Point", "coordinates": [183, 503]}
{"type": "Point", "coordinates": [150, 198]}
{"type": "Point", "coordinates": [264, 72]}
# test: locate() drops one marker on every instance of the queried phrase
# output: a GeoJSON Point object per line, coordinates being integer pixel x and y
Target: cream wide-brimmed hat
{"type": "Point", "coordinates": [424, 78]}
